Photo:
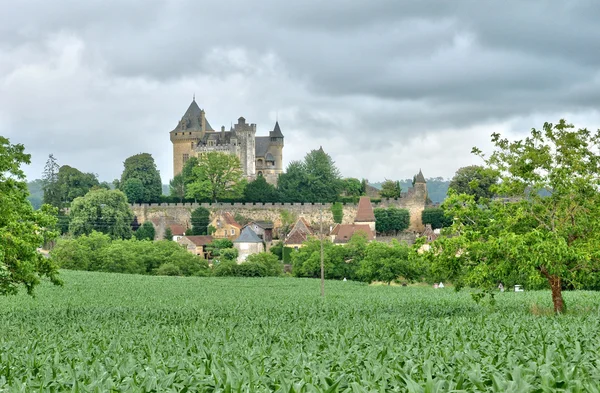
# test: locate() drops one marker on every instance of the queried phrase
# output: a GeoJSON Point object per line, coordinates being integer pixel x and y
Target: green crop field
{"type": "Point", "coordinates": [108, 332]}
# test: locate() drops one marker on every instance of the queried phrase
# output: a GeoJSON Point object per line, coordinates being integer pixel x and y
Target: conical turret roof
{"type": "Point", "coordinates": [420, 178]}
{"type": "Point", "coordinates": [193, 118]}
{"type": "Point", "coordinates": [276, 133]}
{"type": "Point", "coordinates": [364, 212]}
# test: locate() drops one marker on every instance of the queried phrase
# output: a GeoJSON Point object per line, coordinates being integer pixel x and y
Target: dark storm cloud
{"type": "Point", "coordinates": [361, 73]}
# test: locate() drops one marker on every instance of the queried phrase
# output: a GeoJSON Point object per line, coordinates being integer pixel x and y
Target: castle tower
{"type": "Point", "coordinates": [245, 134]}
{"type": "Point", "coordinates": [276, 142]}
{"type": "Point", "coordinates": [187, 134]}
{"type": "Point", "coordinates": [420, 186]}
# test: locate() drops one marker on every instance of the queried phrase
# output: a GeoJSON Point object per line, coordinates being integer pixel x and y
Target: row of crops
{"type": "Point", "coordinates": [108, 332]}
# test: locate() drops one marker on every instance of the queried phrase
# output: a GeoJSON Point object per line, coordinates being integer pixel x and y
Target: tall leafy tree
{"type": "Point", "coordinates": [292, 183]}
{"type": "Point", "coordinates": [188, 170]}
{"type": "Point", "coordinates": [390, 189]}
{"type": "Point", "coordinates": [337, 210]}
{"type": "Point", "coordinates": [200, 220]}
{"type": "Point", "coordinates": [73, 183]}
{"type": "Point", "coordinates": [146, 231]}
{"type": "Point", "coordinates": [474, 180]}
{"type": "Point", "coordinates": [546, 226]}
{"type": "Point", "coordinates": [217, 176]}
{"type": "Point", "coordinates": [436, 217]}
{"type": "Point", "coordinates": [260, 191]}
{"type": "Point", "coordinates": [101, 210]}
{"type": "Point", "coordinates": [177, 187]}
{"type": "Point", "coordinates": [22, 229]}
{"type": "Point", "coordinates": [353, 187]}
{"type": "Point", "coordinates": [142, 167]}
{"type": "Point", "coordinates": [52, 194]}
{"type": "Point", "coordinates": [323, 177]}
{"type": "Point", "coordinates": [134, 190]}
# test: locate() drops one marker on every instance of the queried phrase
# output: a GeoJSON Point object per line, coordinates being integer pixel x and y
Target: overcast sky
{"type": "Point", "coordinates": [385, 86]}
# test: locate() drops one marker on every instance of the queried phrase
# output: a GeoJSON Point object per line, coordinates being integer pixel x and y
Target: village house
{"type": "Point", "coordinates": [196, 244]}
{"type": "Point", "coordinates": [364, 222]}
{"type": "Point", "coordinates": [248, 243]}
{"type": "Point", "coordinates": [264, 229]}
{"type": "Point", "coordinates": [299, 234]}
{"type": "Point", "coordinates": [225, 226]}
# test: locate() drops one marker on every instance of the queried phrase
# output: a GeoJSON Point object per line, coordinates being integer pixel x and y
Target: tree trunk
{"type": "Point", "coordinates": [555, 286]}
{"type": "Point", "coordinates": [557, 299]}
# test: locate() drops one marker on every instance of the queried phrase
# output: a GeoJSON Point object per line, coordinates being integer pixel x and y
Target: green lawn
{"type": "Point", "coordinates": [104, 332]}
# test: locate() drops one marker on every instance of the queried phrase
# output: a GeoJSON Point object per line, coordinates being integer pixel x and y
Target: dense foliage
{"type": "Point", "coordinates": [217, 176]}
{"type": "Point", "coordinates": [22, 229]}
{"type": "Point", "coordinates": [474, 180]}
{"type": "Point", "coordinates": [259, 190]}
{"type": "Point", "coordinates": [337, 210]}
{"type": "Point", "coordinates": [257, 265]}
{"type": "Point", "coordinates": [146, 231]}
{"type": "Point", "coordinates": [390, 189]}
{"type": "Point", "coordinates": [546, 227]}
{"type": "Point", "coordinates": [200, 218]}
{"type": "Point", "coordinates": [391, 220]}
{"type": "Point", "coordinates": [142, 167]}
{"type": "Point", "coordinates": [315, 179]}
{"type": "Point", "coordinates": [436, 217]}
{"type": "Point", "coordinates": [101, 210]}
{"type": "Point", "coordinates": [132, 333]}
{"type": "Point", "coordinates": [97, 252]}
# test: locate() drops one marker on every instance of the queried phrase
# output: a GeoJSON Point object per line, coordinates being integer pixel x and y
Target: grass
{"type": "Point", "coordinates": [108, 332]}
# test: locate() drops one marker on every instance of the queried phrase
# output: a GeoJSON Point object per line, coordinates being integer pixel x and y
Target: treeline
{"type": "Point", "coordinates": [100, 252]}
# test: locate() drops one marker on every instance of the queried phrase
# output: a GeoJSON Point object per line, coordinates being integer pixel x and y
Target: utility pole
{"type": "Point", "coordinates": [322, 263]}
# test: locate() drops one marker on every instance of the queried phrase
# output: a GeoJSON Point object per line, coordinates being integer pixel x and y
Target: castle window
{"type": "Point", "coordinates": [190, 133]}
{"type": "Point", "coordinates": [185, 158]}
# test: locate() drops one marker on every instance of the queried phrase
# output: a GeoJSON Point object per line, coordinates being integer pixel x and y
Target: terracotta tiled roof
{"type": "Point", "coordinates": [200, 240]}
{"type": "Point", "coordinates": [299, 232]}
{"type": "Point", "coordinates": [177, 230]}
{"type": "Point", "coordinates": [344, 232]}
{"type": "Point", "coordinates": [365, 210]}
{"type": "Point", "coordinates": [228, 218]}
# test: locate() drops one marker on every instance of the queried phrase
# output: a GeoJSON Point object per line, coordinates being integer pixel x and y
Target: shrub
{"type": "Point", "coordinates": [168, 269]}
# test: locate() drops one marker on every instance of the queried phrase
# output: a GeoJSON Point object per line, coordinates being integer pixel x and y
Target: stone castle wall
{"type": "Point", "coordinates": [181, 212]}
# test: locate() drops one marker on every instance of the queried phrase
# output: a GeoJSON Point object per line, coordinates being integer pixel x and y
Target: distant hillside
{"type": "Point", "coordinates": [36, 193]}
{"type": "Point", "coordinates": [437, 187]}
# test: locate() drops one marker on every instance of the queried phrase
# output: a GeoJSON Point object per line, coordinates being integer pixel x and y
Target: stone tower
{"type": "Point", "coordinates": [246, 134]}
{"type": "Point", "coordinates": [190, 129]}
{"type": "Point", "coordinates": [277, 147]}
{"type": "Point", "coordinates": [420, 187]}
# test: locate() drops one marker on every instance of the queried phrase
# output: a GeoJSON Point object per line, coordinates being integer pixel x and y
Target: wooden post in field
{"type": "Point", "coordinates": [322, 263]}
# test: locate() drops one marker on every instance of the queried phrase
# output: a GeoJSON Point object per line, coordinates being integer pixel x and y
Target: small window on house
{"type": "Point", "coordinates": [185, 158]}
{"type": "Point", "coordinates": [233, 231]}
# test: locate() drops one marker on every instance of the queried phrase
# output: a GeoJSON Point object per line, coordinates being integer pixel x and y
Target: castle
{"type": "Point", "coordinates": [259, 155]}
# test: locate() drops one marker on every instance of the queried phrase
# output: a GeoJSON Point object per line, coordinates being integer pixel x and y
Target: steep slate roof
{"type": "Point", "coordinates": [264, 224]}
{"type": "Point", "coordinates": [365, 210]}
{"type": "Point", "coordinates": [343, 232]}
{"type": "Point", "coordinates": [276, 133]}
{"type": "Point", "coordinates": [200, 240]}
{"type": "Point", "coordinates": [420, 178]}
{"type": "Point", "coordinates": [194, 117]}
{"type": "Point", "coordinates": [248, 236]}
{"type": "Point", "coordinates": [261, 145]}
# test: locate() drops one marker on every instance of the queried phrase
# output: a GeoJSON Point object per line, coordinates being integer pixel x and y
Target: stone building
{"type": "Point", "coordinates": [259, 155]}
{"type": "Point", "coordinates": [299, 234]}
{"type": "Point", "coordinates": [196, 244]}
{"type": "Point", "coordinates": [226, 227]}
{"type": "Point", "coordinates": [248, 243]}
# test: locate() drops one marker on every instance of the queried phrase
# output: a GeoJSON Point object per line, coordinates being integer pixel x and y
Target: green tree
{"type": "Point", "coordinates": [200, 220]}
{"type": "Point", "coordinates": [546, 227]}
{"type": "Point", "coordinates": [277, 250]}
{"type": "Point", "coordinates": [22, 229]}
{"type": "Point", "coordinates": [323, 178]}
{"type": "Point", "coordinates": [217, 176]}
{"type": "Point", "coordinates": [387, 261]}
{"type": "Point", "coordinates": [73, 183]}
{"type": "Point", "coordinates": [260, 191]}
{"type": "Point", "coordinates": [390, 189]}
{"type": "Point", "coordinates": [187, 173]}
{"type": "Point", "coordinates": [134, 190]}
{"type": "Point", "coordinates": [474, 180]}
{"type": "Point", "coordinates": [337, 210]}
{"type": "Point", "coordinates": [292, 183]}
{"type": "Point", "coordinates": [51, 187]}
{"type": "Point", "coordinates": [168, 234]}
{"type": "Point", "coordinates": [353, 187]}
{"type": "Point", "coordinates": [391, 220]}
{"type": "Point", "coordinates": [105, 211]}
{"type": "Point", "coordinates": [145, 232]}
{"type": "Point", "coordinates": [271, 264]}
{"type": "Point", "coordinates": [36, 193]}
{"type": "Point", "coordinates": [142, 167]}
{"type": "Point", "coordinates": [177, 187]}
{"type": "Point", "coordinates": [436, 217]}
